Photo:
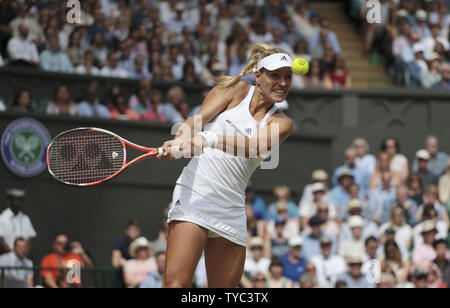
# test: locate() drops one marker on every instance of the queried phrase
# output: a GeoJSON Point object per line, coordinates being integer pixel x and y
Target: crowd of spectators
{"type": "Point", "coordinates": [414, 38]}
{"type": "Point", "coordinates": [372, 212]}
{"type": "Point", "coordinates": [191, 41]}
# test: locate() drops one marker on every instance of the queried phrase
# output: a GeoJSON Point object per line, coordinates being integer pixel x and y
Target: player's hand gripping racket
{"type": "Point", "coordinates": [91, 156]}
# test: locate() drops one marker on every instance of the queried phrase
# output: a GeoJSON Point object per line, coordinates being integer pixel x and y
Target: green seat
{"type": "Point", "coordinates": [41, 104]}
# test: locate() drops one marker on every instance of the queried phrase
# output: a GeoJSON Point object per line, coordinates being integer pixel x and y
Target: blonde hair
{"type": "Point", "coordinates": [258, 52]}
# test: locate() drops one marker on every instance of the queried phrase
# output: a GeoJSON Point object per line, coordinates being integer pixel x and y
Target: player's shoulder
{"type": "Point", "coordinates": [241, 88]}
{"type": "Point", "coordinates": [280, 117]}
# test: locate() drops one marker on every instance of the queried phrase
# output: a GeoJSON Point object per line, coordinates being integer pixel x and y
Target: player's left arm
{"type": "Point", "coordinates": [262, 143]}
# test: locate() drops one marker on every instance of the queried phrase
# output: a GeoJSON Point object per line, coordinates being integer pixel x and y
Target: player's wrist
{"type": "Point", "coordinates": [211, 139]}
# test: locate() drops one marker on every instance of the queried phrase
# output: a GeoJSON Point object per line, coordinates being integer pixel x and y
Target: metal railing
{"type": "Point", "coordinates": [91, 277]}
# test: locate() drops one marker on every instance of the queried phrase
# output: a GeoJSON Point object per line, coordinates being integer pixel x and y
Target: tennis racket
{"type": "Point", "coordinates": [91, 156]}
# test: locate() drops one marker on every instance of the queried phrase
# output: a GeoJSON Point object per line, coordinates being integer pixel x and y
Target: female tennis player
{"type": "Point", "coordinates": [208, 205]}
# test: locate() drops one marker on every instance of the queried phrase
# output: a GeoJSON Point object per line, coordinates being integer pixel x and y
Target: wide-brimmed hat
{"type": "Point", "coordinates": [140, 242]}
{"type": "Point", "coordinates": [319, 175]}
{"type": "Point", "coordinates": [428, 226]}
{"type": "Point", "coordinates": [15, 193]}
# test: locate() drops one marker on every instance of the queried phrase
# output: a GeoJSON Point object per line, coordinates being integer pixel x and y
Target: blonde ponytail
{"type": "Point", "coordinates": [258, 52]}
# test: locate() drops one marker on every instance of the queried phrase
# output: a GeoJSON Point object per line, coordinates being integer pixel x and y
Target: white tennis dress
{"type": "Point", "coordinates": [210, 191]}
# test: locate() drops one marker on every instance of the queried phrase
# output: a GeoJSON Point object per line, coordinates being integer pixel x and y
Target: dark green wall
{"type": "Point", "coordinates": [96, 216]}
{"type": "Point", "coordinates": [326, 122]}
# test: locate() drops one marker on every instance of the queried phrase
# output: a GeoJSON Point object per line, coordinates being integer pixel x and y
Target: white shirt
{"type": "Point", "coordinates": [19, 49]}
{"type": "Point", "coordinates": [260, 267]}
{"type": "Point", "coordinates": [11, 260]}
{"type": "Point", "coordinates": [12, 227]}
{"type": "Point", "coordinates": [441, 226]}
{"type": "Point", "coordinates": [403, 235]}
{"type": "Point", "coordinates": [351, 246]}
{"type": "Point", "coordinates": [308, 196]}
{"type": "Point", "coordinates": [328, 269]}
{"type": "Point", "coordinates": [291, 228]}
{"type": "Point", "coordinates": [81, 69]}
{"type": "Point", "coordinates": [114, 72]}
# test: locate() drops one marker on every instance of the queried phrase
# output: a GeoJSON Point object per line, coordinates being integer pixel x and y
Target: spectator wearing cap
{"type": "Point", "coordinates": [143, 262]}
{"type": "Point", "coordinates": [278, 242]}
{"type": "Point", "coordinates": [393, 259]}
{"type": "Point", "coordinates": [363, 158]}
{"type": "Point", "coordinates": [178, 22]}
{"type": "Point", "coordinates": [17, 258]}
{"type": "Point", "coordinates": [430, 213]}
{"type": "Point", "coordinates": [356, 242]}
{"type": "Point", "coordinates": [283, 193]}
{"type": "Point", "coordinates": [370, 228]}
{"type": "Point", "coordinates": [403, 232]}
{"type": "Point", "coordinates": [422, 24]}
{"type": "Point", "coordinates": [433, 76]}
{"type": "Point", "coordinates": [258, 204]}
{"type": "Point", "coordinates": [311, 241]}
{"type": "Point", "coordinates": [310, 209]}
{"type": "Point", "coordinates": [155, 278]}
{"type": "Point", "coordinates": [361, 175]}
{"type": "Point", "coordinates": [364, 206]}
{"type": "Point", "coordinates": [318, 176]}
{"type": "Point", "coordinates": [328, 266]}
{"type": "Point", "coordinates": [437, 160]}
{"type": "Point", "coordinates": [354, 278]}
{"type": "Point", "coordinates": [417, 66]}
{"type": "Point", "coordinates": [13, 222]}
{"type": "Point", "coordinates": [294, 263]}
{"type": "Point", "coordinates": [381, 196]}
{"type": "Point", "coordinates": [291, 226]}
{"type": "Point", "coordinates": [424, 254]}
{"type": "Point", "coordinates": [423, 157]}
{"type": "Point", "coordinates": [442, 259]}
{"type": "Point", "coordinates": [256, 263]}
{"type": "Point", "coordinates": [340, 194]}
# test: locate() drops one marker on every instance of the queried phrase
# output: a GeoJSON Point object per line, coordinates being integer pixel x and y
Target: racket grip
{"type": "Point", "coordinates": [160, 151]}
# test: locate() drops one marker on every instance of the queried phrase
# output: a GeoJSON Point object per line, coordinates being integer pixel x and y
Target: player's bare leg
{"type": "Point", "coordinates": [224, 263]}
{"type": "Point", "coordinates": [185, 245]}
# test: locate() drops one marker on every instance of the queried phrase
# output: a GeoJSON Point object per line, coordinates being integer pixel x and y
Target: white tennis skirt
{"type": "Point", "coordinates": [229, 222]}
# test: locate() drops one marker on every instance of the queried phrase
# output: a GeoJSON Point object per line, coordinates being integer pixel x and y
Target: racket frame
{"type": "Point", "coordinates": [151, 152]}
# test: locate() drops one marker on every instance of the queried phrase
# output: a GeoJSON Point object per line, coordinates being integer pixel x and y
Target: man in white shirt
{"type": "Point", "coordinates": [17, 258]}
{"type": "Point", "coordinates": [356, 243]}
{"type": "Point", "coordinates": [111, 69]}
{"type": "Point", "coordinates": [328, 267]}
{"type": "Point", "coordinates": [257, 264]}
{"type": "Point", "coordinates": [21, 51]}
{"type": "Point", "coordinates": [14, 223]}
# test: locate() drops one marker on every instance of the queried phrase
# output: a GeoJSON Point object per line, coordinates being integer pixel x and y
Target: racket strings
{"type": "Point", "coordinates": [85, 156]}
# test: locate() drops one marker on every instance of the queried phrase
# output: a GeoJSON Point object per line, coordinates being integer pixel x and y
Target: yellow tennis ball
{"type": "Point", "coordinates": [300, 66]}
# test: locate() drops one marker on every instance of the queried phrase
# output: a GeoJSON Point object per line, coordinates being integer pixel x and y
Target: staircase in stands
{"type": "Point", "coordinates": [364, 74]}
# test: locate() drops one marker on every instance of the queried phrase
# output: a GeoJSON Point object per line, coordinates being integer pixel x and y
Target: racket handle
{"type": "Point", "coordinates": [160, 151]}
